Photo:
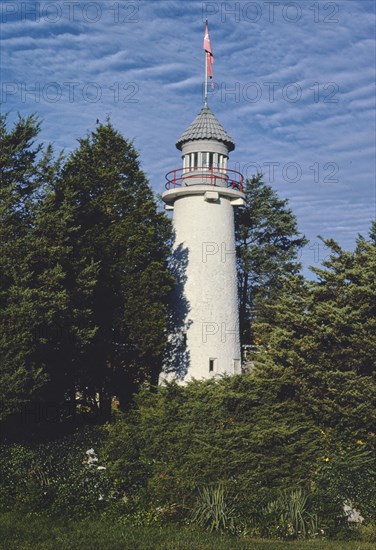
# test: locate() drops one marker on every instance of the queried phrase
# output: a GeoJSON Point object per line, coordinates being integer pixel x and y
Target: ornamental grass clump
{"type": "Point", "coordinates": [290, 515]}
{"type": "Point", "coordinates": [212, 511]}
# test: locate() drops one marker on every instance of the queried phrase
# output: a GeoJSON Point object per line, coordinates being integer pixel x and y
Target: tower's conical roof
{"type": "Point", "coordinates": [206, 126]}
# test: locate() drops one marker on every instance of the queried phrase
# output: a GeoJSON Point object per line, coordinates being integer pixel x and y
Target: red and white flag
{"type": "Point", "coordinates": [209, 54]}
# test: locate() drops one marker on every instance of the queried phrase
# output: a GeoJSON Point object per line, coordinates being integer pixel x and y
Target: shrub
{"type": "Point", "coordinates": [237, 430]}
{"type": "Point", "coordinates": [237, 451]}
{"type": "Point", "coordinates": [54, 478]}
{"type": "Point", "coordinates": [348, 475]}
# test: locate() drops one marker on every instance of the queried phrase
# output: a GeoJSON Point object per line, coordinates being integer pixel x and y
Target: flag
{"type": "Point", "coordinates": [209, 54]}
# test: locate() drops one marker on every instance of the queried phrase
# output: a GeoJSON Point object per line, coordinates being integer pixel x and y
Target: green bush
{"type": "Point", "coordinates": [237, 430]}
{"type": "Point", "coordinates": [54, 478]}
{"type": "Point", "coordinates": [348, 475]}
{"type": "Point", "coordinates": [246, 433]}
{"type": "Point", "coordinates": [258, 463]}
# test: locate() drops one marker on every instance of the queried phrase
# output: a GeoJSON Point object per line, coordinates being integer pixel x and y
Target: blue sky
{"type": "Point", "coordinates": [294, 88]}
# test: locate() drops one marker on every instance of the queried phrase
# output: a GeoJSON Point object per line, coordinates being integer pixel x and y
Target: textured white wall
{"type": "Point", "coordinates": [204, 233]}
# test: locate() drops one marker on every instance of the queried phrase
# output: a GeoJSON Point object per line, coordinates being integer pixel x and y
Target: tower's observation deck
{"type": "Point", "coordinates": [204, 175]}
{"type": "Point", "coordinates": [202, 194]}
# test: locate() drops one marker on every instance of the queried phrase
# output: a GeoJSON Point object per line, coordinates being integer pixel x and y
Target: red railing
{"type": "Point", "coordinates": [221, 177]}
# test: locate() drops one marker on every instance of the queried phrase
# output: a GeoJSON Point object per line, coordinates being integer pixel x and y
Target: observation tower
{"type": "Point", "coordinates": [204, 338]}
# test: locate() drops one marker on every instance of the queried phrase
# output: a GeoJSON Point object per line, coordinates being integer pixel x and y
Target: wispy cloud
{"type": "Point", "coordinates": [294, 87]}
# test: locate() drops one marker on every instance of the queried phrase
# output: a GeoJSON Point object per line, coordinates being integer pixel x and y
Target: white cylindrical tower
{"type": "Point", "coordinates": [204, 341]}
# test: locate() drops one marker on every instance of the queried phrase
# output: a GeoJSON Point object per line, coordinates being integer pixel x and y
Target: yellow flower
{"type": "Point", "coordinates": [360, 442]}
{"type": "Point", "coordinates": [326, 459]}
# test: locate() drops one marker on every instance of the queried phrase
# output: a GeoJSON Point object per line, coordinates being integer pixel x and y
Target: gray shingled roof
{"type": "Point", "coordinates": [206, 126]}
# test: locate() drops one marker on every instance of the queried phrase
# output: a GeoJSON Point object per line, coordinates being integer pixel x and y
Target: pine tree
{"type": "Point", "coordinates": [24, 168]}
{"type": "Point", "coordinates": [37, 350]}
{"type": "Point", "coordinates": [322, 340]}
{"type": "Point", "coordinates": [84, 277]}
{"type": "Point", "coordinates": [268, 245]}
{"type": "Point", "coordinates": [67, 284]}
{"type": "Point", "coordinates": [19, 170]}
{"type": "Point", "coordinates": [121, 232]}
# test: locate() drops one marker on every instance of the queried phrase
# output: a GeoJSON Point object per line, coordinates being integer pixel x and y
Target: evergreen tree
{"type": "Point", "coordinates": [120, 231]}
{"type": "Point", "coordinates": [24, 169]}
{"type": "Point", "coordinates": [67, 284]}
{"type": "Point", "coordinates": [40, 340]}
{"type": "Point", "coordinates": [322, 340]}
{"type": "Point", "coordinates": [268, 245]}
{"type": "Point", "coordinates": [84, 276]}
{"type": "Point", "coordinates": [320, 343]}
{"type": "Point", "coordinates": [21, 171]}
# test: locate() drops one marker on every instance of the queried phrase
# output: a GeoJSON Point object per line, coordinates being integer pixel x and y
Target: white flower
{"type": "Point", "coordinates": [353, 515]}
{"type": "Point", "coordinates": [91, 457]}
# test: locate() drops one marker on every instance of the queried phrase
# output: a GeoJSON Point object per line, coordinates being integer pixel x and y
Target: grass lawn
{"type": "Point", "coordinates": [18, 532]}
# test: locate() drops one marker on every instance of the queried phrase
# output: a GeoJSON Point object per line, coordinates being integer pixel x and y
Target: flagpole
{"type": "Point", "coordinates": [206, 80]}
{"type": "Point", "coordinates": [208, 69]}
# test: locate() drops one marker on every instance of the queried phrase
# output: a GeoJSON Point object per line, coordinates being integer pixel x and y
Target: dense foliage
{"type": "Point", "coordinates": [84, 279]}
{"type": "Point", "coordinates": [248, 434]}
{"type": "Point", "coordinates": [121, 232]}
{"type": "Point", "coordinates": [321, 343]}
{"type": "Point", "coordinates": [322, 340]}
{"type": "Point", "coordinates": [268, 244]}
{"type": "Point", "coordinates": [58, 478]}
{"type": "Point", "coordinates": [237, 455]}
{"type": "Point", "coordinates": [31, 294]}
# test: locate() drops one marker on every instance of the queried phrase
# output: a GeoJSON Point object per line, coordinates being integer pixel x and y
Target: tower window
{"type": "Point", "coordinates": [195, 160]}
{"type": "Point", "coordinates": [222, 162]}
{"type": "Point", "coordinates": [211, 365]}
{"type": "Point", "coordinates": [211, 158]}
